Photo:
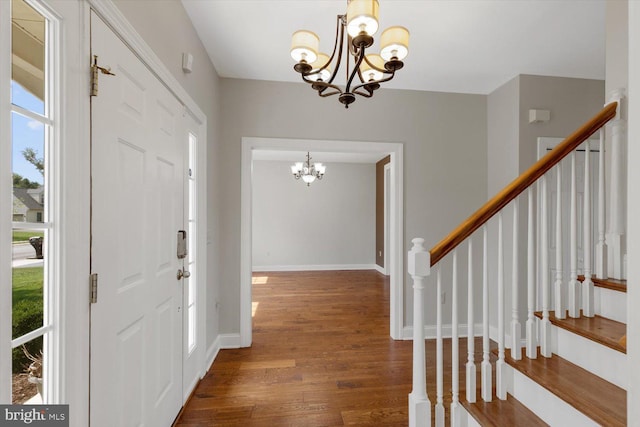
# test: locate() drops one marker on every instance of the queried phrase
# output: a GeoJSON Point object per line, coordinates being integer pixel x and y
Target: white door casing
{"type": "Point", "coordinates": [137, 209]}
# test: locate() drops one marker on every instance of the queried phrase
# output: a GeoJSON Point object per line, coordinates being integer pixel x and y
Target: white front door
{"type": "Point", "coordinates": [137, 174]}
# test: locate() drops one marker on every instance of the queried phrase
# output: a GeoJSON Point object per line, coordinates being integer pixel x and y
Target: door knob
{"type": "Point", "coordinates": [183, 274]}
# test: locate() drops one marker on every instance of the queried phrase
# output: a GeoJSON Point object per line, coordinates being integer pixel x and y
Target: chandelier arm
{"type": "Point", "coordinates": [323, 85]}
{"type": "Point", "coordinates": [386, 79]}
{"type": "Point", "coordinates": [370, 64]}
{"type": "Point", "coordinates": [363, 94]}
{"type": "Point", "coordinates": [341, 22]}
{"type": "Point", "coordinates": [356, 68]}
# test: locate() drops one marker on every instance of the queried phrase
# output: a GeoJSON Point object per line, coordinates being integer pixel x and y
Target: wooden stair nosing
{"type": "Point", "coordinates": [499, 413]}
{"type": "Point", "coordinates": [599, 329]}
{"type": "Point", "coordinates": [613, 284]}
{"type": "Point", "coordinates": [603, 402]}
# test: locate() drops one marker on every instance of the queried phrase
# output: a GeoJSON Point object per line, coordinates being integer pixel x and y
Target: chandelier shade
{"type": "Point", "coordinates": [362, 17]}
{"type": "Point", "coordinates": [307, 171]}
{"type": "Point", "coordinates": [371, 72]}
{"type": "Point", "coordinates": [304, 46]}
{"type": "Point", "coordinates": [364, 71]}
{"type": "Point", "coordinates": [394, 43]}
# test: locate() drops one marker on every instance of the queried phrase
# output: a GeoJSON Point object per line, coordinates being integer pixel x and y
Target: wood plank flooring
{"type": "Point", "coordinates": [321, 356]}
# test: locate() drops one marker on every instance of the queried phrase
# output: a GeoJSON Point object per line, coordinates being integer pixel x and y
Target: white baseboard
{"type": "Point", "coordinates": [317, 267]}
{"type": "Point", "coordinates": [229, 341]}
{"type": "Point", "coordinates": [430, 331]}
{"type": "Point", "coordinates": [380, 270]}
{"type": "Point", "coordinates": [222, 341]}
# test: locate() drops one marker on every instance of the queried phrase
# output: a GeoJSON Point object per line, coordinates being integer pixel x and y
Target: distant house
{"type": "Point", "coordinates": [28, 204]}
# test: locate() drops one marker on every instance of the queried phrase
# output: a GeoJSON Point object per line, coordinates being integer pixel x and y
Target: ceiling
{"type": "Point", "coordinates": [463, 46]}
{"type": "Point", "coordinates": [460, 46]}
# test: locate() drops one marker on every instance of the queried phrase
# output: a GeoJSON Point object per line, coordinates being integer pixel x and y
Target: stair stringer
{"type": "Point", "coordinates": [600, 360]}
{"type": "Point", "coordinates": [546, 405]}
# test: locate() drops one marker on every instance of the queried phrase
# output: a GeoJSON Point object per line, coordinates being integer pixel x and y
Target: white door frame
{"type": "Point", "coordinates": [109, 12]}
{"type": "Point", "coordinates": [395, 150]}
{"type": "Point", "coordinates": [387, 214]}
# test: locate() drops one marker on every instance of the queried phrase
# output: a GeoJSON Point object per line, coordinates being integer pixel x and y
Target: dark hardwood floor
{"type": "Point", "coordinates": [322, 356]}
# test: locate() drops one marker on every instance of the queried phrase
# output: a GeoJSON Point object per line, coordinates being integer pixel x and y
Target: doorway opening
{"type": "Point", "coordinates": [396, 231]}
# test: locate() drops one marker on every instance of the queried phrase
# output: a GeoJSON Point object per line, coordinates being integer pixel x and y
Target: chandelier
{"type": "Point", "coordinates": [361, 23]}
{"type": "Point", "coordinates": [307, 171]}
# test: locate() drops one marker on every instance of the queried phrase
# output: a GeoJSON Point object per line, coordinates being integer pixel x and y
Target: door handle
{"type": "Point", "coordinates": [183, 274]}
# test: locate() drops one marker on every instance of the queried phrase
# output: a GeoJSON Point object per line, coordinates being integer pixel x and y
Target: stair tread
{"type": "Point", "coordinates": [599, 329]}
{"type": "Point", "coordinates": [500, 413]}
{"type": "Point", "coordinates": [603, 402]}
{"type": "Point", "coordinates": [613, 284]}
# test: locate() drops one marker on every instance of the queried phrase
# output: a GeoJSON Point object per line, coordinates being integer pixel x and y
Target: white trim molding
{"type": "Point", "coordinates": [316, 267]}
{"type": "Point", "coordinates": [396, 269]}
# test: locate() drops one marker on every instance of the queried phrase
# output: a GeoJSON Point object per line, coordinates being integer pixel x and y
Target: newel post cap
{"type": "Point", "coordinates": [419, 261]}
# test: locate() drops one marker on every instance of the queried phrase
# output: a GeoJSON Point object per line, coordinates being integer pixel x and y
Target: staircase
{"type": "Point", "coordinates": [563, 361]}
{"type": "Point", "coordinates": [581, 384]}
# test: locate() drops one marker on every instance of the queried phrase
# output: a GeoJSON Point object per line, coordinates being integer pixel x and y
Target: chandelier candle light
{"type": "Point", "coordinates": [307, 171]}
{"type": "Point", "coordinates": [361, 23]}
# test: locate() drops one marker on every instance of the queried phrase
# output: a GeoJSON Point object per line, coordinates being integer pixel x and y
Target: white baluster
{"type": "Point", "coordinates": [455, 382]}
{"type": "Point", "coordinates": [559, 303]}
{"type": "Point", "coordinates": [573, 284]}
{"type": "Point", "coordinates": [532, 339]}
{"type": "Point", "coordinates": [601, 246]}
{"type": "Point", "coordinates": [617, 190]}
{"type": "Point", "coordinates": [471, 366]}
{"type": "Point", "coordinates": [545, 324]}
{"type": "Point", "coordinates": [587, 284]}
{"type": "Point", "coordinates": [501, 389]}
{"type": "Point", "coordinates": [439, 355]}
{"type": "Point", "coordinates": [487, 380]}
{"type": "Point", "coordinates": [516, 331]}
{"type": "Point", "coordinates": [419, 267]}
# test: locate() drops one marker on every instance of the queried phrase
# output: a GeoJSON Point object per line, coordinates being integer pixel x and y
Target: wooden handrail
{"type": "Point", "coordinates": [511, 191]}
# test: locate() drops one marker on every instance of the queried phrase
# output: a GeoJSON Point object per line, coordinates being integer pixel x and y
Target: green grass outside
{"type": "Point", "coordinates": [27, 284]}
{"type": "Point", "coordinates": [23, 235]}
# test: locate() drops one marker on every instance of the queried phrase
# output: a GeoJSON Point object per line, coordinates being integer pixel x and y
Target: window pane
{"type": "Point", "coordinates": [27, 281]}
{"type": "Point", "coordinates": [28, 29]}
{"type": "Point", "coordinates": [28, 141]}
{"type": "Point", "coordinates": [27, 373]}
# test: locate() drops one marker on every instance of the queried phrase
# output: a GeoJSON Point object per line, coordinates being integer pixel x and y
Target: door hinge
{"type": "Point", "coordinates": [94, 75]}
{"type": "Point", "coordinates": [93, 292]}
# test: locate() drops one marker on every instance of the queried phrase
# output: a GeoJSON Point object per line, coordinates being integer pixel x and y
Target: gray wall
{"type": "Point", "coordinates": [445, 161]}
{"type": "Point", "coordinates": [571, 101]}
{"type": "Point", "coordinates": [168, 30]}
{"type": "Point", "coordinates": [502, 134]}
{"type": "Point", "coordinates": [329, 223]}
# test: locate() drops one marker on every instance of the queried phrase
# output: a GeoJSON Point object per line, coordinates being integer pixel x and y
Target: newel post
{"type": "Point", "coordinates": [419, 267]}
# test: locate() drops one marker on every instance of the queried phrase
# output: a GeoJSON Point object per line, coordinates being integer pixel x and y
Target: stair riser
{"type": "Point", "coordinates": [546, 405]}
{"type": "Point", "coordinates": [611, 304]}
{"type": "Point", "coordinates": [596, 358]}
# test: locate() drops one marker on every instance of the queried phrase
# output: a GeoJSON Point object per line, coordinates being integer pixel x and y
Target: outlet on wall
{"type": "Point", "coordinates": [443, 297]}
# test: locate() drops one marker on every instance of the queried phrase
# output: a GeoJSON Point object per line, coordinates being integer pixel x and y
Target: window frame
{"type": "Point", "coordinates": [51, 119]}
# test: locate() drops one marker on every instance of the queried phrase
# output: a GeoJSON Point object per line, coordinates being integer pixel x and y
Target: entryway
{"type": "Point", "coordinates": [147, 348]}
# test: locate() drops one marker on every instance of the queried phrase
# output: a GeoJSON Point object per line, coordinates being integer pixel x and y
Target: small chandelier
{"type": "Point", "coordinates": [307, 171]}
{"type": "Point", "coordinates": [361, 23]}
